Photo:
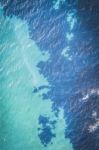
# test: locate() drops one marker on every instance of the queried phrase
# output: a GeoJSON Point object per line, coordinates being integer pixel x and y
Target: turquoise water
{"type": "Point", "coordinates": [20, 108]}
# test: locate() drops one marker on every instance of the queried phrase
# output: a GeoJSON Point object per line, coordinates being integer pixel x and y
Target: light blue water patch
{"type": "Point", "coordinates": [71, 19]}
{"type": "Point", "coordinates": [69, 36]}
{"type": "Point", "coordinates": [65, 53]}
{"type": "Point", "coordinates": [20, 108]}
{"type": "Point", "coordinates": [56, 3]}
{"type": "Point", "coordinates": [18, 59]}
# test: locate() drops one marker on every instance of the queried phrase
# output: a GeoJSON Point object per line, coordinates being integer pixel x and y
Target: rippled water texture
{"type": "Point", "coordinates": [49, 75]}
{"type": "Point", "coordinates": [20, 108]}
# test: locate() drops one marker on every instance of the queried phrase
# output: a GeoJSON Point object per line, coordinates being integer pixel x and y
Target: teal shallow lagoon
{"type": "Point", "coordinates": [19, 107]}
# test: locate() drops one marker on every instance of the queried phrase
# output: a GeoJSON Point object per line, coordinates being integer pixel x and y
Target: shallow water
{"type": "Point", "coordinates": [20, 108]}
{"type": "Point", "coordinates": [49, 74]}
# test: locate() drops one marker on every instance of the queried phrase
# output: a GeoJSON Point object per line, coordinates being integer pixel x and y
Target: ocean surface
{"type": "Point", "coordinates": [49, 75]}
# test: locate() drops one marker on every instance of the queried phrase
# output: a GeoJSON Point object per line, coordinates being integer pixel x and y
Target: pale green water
{"type": "Point", "coordinates": [19, 107]}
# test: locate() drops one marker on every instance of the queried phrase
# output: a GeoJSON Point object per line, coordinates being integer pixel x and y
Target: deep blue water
{"type": "Point", "coordinates": [69, 78]}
